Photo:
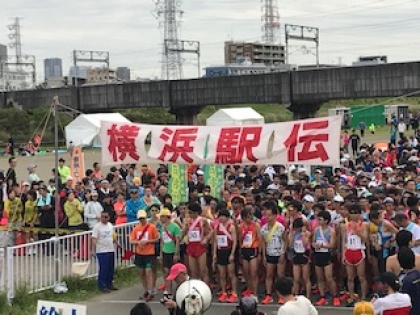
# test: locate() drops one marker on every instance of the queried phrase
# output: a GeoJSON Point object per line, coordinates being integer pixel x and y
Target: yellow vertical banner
{"type": "Point", "coordinates": [214, 177]}
{"type": "Point", "coordinates": [77, 165]}
{"type": "Point", "coordinates": [178, 184]}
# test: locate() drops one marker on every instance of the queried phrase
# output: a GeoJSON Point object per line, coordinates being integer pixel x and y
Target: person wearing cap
{"type": "Point", "coordinates": [92, 210]}
{"type": "Point", "coordinates": [63, 170]}
{"type": "Point", "coordinates": [153, 217]}
{"type": "Point", "coordinates": [144, 236]}
{"type": "Point", "coordinates": [170, 237]}
{"type": "Point", "coordinates": [137, 184]}
{"type": "Point", "coordinates": [133, 205]}
{"type": "Point", "coordinates": [393, 302]}
{"type": "Point", "coordinates": [293, 304]}
{"type": "Point", "coordinates": [363, 308]}
{"type": "Point", "coordinates": [32, 177]}
{"type": "Point", "coordinates": [177, 274]}
{"type": "Point", "coordinates": [224, 246]}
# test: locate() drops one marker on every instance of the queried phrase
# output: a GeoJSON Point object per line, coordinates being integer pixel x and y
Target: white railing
{"type": "Point", "coordinates": [33, 265]}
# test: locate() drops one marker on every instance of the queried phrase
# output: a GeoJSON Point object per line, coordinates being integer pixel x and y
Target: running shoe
{"type": "Point", "coordinates": [233, 298]}
{"type": "Point", "coordinates": [223, 297]}
{"type": "Point", "coordinates": [321, 302]}
{"type": "Point", "coordinates": [336, 302]}
{"type": "Point", "coordinates": [267, 300]}
{"type": "Point", "coordinates": [281, 301]}
{"type": "Point", "coordinates": [162, 287]}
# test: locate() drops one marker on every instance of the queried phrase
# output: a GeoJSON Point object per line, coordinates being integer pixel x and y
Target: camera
{"type": "Point", "coordinates": [166, 296]}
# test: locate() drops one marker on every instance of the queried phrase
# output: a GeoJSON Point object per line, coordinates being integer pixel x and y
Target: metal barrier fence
{"type": "Point", "coordinates": [33, 264]}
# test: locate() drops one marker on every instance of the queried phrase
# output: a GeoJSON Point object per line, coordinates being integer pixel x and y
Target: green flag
{"type": "Point", "coordinates": [178, 183]}
{"type": "Point", "coordinates": [214, 177]}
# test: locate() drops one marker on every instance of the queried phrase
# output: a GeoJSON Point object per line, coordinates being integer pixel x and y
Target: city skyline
{"type": "Point", "coordinates": [128, 30]}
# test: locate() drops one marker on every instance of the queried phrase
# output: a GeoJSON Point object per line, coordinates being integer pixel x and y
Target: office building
{"type": "Point", "coordinates": [101, 75]}
{"type": "Point", "coordinates": [270, 54]}
{"type": "Point", "coordinates": [15, 80]}
{"type": "Point", "coordinates": [123, 74]}
{"type": "Point", "coordinates": [53, 68]}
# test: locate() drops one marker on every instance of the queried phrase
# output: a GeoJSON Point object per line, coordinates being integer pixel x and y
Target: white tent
{"type": "Point", "coordinates": [244, 116]}
{"type": "Point", "coordinates": [85, 129]}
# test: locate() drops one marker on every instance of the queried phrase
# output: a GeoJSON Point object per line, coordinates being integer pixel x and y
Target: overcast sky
{"type": "Point", "coordinates": [130, 32]}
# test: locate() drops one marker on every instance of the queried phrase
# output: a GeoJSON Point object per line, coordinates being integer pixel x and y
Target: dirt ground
{"type": "Point", "coordinates": [46, 163]}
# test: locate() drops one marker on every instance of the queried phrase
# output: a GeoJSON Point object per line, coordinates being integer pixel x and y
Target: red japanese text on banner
{"type": "Point", "coordinates": [238, 144]}
{"type": "Point", "coordinates": [178, 144]}
{"type": "Point", "coordinates": [308, 142]}
{"type": "Point", "coordinates": [123, 142]}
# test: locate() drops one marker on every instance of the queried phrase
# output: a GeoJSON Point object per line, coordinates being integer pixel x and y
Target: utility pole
{"type": "Point", "coordinates": [302, 33]}
{"type": "Point", "coordinates": [16, 43]}
{"type": "Point", "coordinates": [90, 56]}
{"type": "Point", "coordinates": [270, 21]}
{"type": "Point", "coordinates": [169, 13]}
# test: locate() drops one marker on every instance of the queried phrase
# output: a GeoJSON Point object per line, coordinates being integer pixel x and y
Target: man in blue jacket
{"type": "Point", "coordinates": [133, 205]}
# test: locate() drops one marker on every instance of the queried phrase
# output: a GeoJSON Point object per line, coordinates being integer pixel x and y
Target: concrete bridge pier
{"type": "Point", "coordinates": [186, 116]}
{"type": "Point", "coordinates": [304, 110]}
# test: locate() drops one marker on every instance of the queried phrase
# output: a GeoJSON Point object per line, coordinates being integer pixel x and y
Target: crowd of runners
{"type": "Point", "coordinates": [333, 230]}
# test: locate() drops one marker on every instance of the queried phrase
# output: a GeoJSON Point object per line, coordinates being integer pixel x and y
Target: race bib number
{"type": "Point", "coordinates": [321, 250]}
{"type": "Point", "coordinates": [248, 239]}
{"type": "Point", "coordinates": [222, 241]}
{"type": "Point", "coordinates": [354, 242]}
{"type": "Point", "coordinates": [298, 247]}
{"type": "Point", "coordinates": [145, 236]}
{"type": "Point", "coordinates": [166, 238]}
{"type": "Point", "coordinates": [194, 236]}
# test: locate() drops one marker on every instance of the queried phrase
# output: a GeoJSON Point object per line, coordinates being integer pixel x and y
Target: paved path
{"type": "Point", "coordinates": [121, 302]}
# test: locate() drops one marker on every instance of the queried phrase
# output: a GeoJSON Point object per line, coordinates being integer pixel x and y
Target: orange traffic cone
{"type": "Point", "coordinates": [19, 241]}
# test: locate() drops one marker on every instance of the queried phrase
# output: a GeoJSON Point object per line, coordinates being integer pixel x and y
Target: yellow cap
{"type": "Point", "coordinates": [141, 214]}
{"type": "Point", "coordinates": [165, 212]}
{"type": "Point", "coordinates": [137, 180]}
{"type": "Point", "coordinates": [363, 308]}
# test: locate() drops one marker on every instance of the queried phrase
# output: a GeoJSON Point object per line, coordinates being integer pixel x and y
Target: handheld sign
{"type": "Point", "coordinates": [58, 308]}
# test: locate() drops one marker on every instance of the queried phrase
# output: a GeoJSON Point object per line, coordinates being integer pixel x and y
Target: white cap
{"type": "Point", "coordinates": [372, 185]}
{"type": "Point", "coordinates": [338, 198]}
{"type": "Point", "coordinates": [318, 171]}
{"type": "Point", "coordinates": [200, 172]}
{"type": "Point", "coordinates": [308, 198]}
{"type": "Point", "coordinates": [301, 169]}
{"type": "Point", "coordinates": [388, 169]}
{"type": "Point", "coordinates": [69, 178]}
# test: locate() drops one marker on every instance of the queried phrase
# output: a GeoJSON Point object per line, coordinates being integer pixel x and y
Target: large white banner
{"type": "Point", "coordinates": [310, 142]}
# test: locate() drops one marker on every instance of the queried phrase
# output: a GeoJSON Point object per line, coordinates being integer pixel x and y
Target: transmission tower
{"type": "Point", "coordinates": [169, 12]}
{"type": "Point", "coordinates": [16, 43]}
{"type": "Point", "coordinates": [270, 21]}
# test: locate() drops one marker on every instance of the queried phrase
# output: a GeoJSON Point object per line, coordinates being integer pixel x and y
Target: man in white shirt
{"type": "Point", "coordinates": [294, 305]}
{"type": "Point", "coordinates": [103, 248]}
{"type": "Point", "coordinates": [404, 223]}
